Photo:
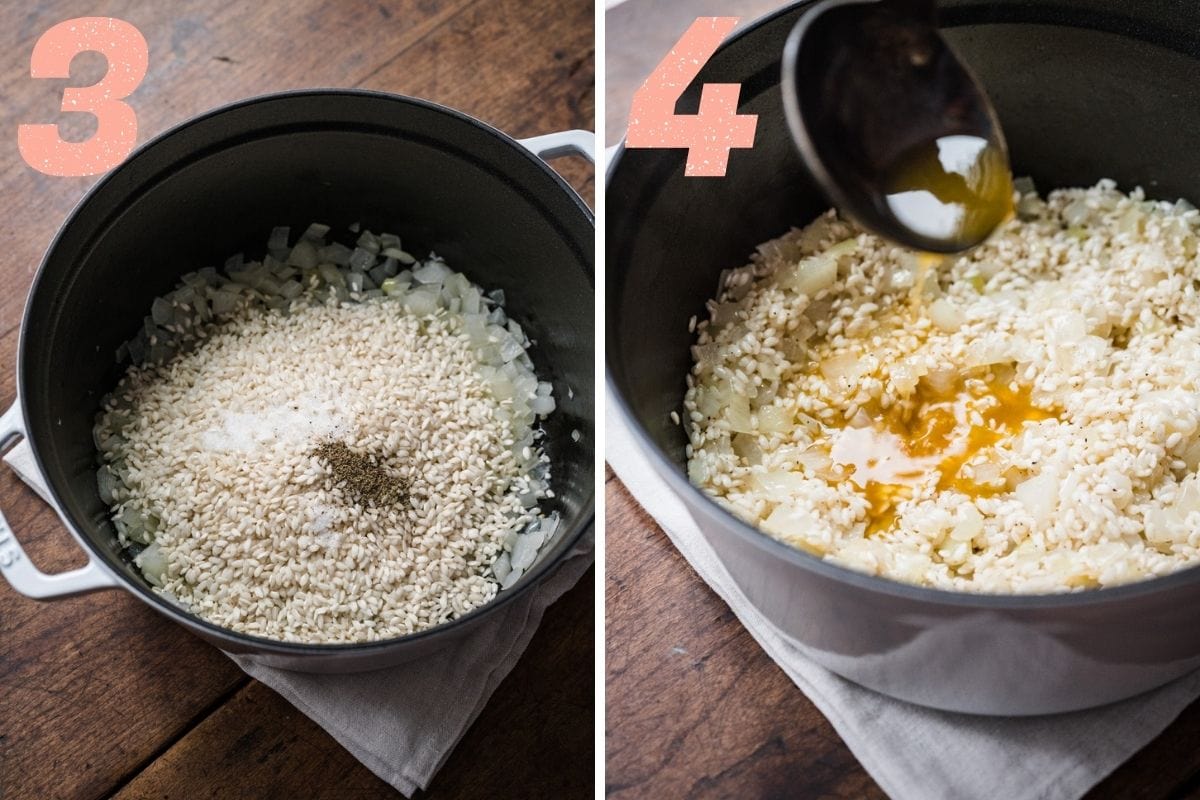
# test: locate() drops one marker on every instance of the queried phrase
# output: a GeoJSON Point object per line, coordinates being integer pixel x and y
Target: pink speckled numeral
{"type": "Point", "coordinates": [116, 124]}
{"type": "Point", "coordinates": [711, 133]}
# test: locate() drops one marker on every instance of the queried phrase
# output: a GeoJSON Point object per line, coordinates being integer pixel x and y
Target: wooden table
{"type": "Point", "coordinates": [101, 697]}
{"type": "Point", "coordinates": [694, 707]}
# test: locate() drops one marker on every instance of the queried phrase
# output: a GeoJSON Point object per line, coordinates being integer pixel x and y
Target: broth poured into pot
{"type": "Point", "coordinates": [954, 189]}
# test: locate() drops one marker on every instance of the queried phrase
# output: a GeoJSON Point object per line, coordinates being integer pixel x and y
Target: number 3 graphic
{"type": "Point", "coordinates": [116, 124]}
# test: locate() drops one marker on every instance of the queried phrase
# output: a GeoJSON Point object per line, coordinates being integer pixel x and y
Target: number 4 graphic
{"type": "Point", "coordinates": [711, 133]}
{"type": "Point", "coordinates": [116, 125]}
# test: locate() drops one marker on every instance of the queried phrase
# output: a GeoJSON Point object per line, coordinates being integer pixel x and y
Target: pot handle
{"type": "Point", "coordinates": [564, 143]}
{"type": "Point", "coordinates": [16, 567]}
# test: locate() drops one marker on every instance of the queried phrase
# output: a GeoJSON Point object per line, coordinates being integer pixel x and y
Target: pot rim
{"type": "Point", "coordinates": [714, 514]}
{"type": "Point", "coordinates": [571, 537]}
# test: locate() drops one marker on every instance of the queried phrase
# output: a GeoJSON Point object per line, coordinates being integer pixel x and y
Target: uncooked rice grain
{"type": "Point", "coordinates": [1087, 304]}
{"type": "Point", "coordinates": [217, 450]}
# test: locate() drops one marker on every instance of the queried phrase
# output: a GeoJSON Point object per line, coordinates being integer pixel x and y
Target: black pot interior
{"type": "Point", "coordinates": [217, 186]}
{"type": "Point", "coordinates": [1084, 91]}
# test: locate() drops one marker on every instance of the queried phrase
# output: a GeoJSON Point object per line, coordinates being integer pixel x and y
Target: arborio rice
{"type": "Point", "coordinates": [1023, 419]}
{"type": "Point", "coordinates": [220, 444]}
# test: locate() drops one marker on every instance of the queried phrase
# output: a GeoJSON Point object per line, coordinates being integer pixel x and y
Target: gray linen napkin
{"type": "Point", "coordinates": [403, 722]}
{"type": "Point", "coordinates": [916, 753]}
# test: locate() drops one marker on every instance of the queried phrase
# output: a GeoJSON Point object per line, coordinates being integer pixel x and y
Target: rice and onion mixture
{"type": "Point", "coordinates": [219, 445]}
{"type": "Point", "coordinates": [1023, 419]}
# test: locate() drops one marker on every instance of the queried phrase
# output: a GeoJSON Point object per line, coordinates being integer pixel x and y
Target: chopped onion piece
{"type": "Point", "coordinates": [815, 462]}
{"type": "Point", "coordinates": [153, 564]}
{"type": "Point", "coordinates": [336, 253]}
{"type": "Point", "coordinates": [501, 567]}
{"type": "Point", "coordinates": [362, 259]}
{"type": "Point", "coordinates": [303, 255]}
{"type": "Point", "coordinates": [1076, 213]}
{"type": "Point", "coordinates": [525, 550]}
{"type": "Point", "coordinates": [400, 255]}
{"type": "Point", "coordinates": [384, 270]}
{"type": "Point", "coordinates": [328, 273]}
{"type": "Point", "coordinates": [1039, 495]}
{"type": "Point", "coordinates": [421, 302]}
{"type": "Point", "coordinates": [968, 524]}
{"type": "Point", "coordinates": [108, 485]}
{"type": "Point", "coordinates": [223, 302]}
{"type": "Point", "coordinates": [810, 275]}
{"type": "Point", "coordinates": [291, 290]}
{"type": "Point", "coordinates": [772, 419]}
{"type": "Point", "coordinates": [369, 242]}
{"type": "Point", "coordinates": [162, 312]}
{"type": "Point", "coordinates": [316, 232]}
{"type": "Point", "coordinates": [779, 485]}
{"type": "Point", "coordinates": [511, 579]}
{"type": "Point", "coordinates": [431, 272]}
{"type": "Point", "coordinates": [278, 239]}
{"type": "Point", "coordinates": [331, 275]}
{"type": "Point", "coordinates": [945, 315]}
{"type": "Point", "coordinates": [737, 414]}
{"type": "Point", "coordinates": [844, 369]}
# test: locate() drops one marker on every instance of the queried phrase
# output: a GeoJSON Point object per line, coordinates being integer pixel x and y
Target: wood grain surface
{"type": "Point", "coordinates": [694, 707]}
{"type": "Point", "coordinates": [100, 695]}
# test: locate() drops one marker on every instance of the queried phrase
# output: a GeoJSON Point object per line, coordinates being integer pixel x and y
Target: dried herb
{"type": "Point", "coordinates": [361, 476]}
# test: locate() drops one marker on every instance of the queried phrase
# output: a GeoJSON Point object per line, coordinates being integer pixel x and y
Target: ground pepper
{"type": "Point", "coordinates": [361, 476]}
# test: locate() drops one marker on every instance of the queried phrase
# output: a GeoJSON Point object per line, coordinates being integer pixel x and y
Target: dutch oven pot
{"type": "Point", "coordinates": [217, 185]}
{"type": "Point", "coordinates": [1084, 90]}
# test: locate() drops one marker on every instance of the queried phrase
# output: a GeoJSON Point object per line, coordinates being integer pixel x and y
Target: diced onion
{"type": "Point", "coordinates": [1039, 495]}
{"type": "Point", "coordinates": [845, 369]}
{"type": "Point", "coordinates": [1024, 185]}
{"type": "Point", "coordinates": [316, 232]}
{"type": "Point", "coordinates": [843, 248]}
{"type": "Point", "coordinates": [942, 380]}
{"type": "Point", "coordinates": [153, 564]}
{"type": "Point", "coordinates": [108, 485]}
{"type": "Point", "coordinates": [1188, 501]}
{"type": "Point", "coordinates": [421, 302]}
{"type": "Point", "coordinates": [369, 242]}
{"type": "Point", "coordinates": [502, 566]}
{"type": "Point", "coordinates": [400, 255]}
{"type": "Point", "coordinates": [1076, 213]}
{"type": "Point", "coordinates": [737, 414]}
{"type": "Point", "coordinates": [329, 273]}
{"type": "Point", "coordinates": [431, 272]}
{"type": "Point", "coordinates": [772, 419]}
{"type": "Point", "coordinates": [525, 550]}
{"type": "Point", "coordinates": [362, 259]}
{"type": "Point", "coordinates": [278, 239]}
{"type": "Point", "coordinates": [968, 523]}
{"type": "Point", "coordinates": [810, 275]}
{"type": "Point", "coordinates": [511, 579]}
{"type": "Point", "coordinates": [746, 446]}
{"type": "Point", "coordinates": [815, 462]}
{"type": "Point", "coordinates": [780, 485]}
{"type": "Point", "coordinates": [945, 315]}
{"type": "Point", "coordinates": [162, 312]}
{"type": "Point", "coordinates": [985, 352]}
{"type": "Point", "coordinates": [303, 255]}
{"type": "Point", "coordinates": [1162, 525]}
